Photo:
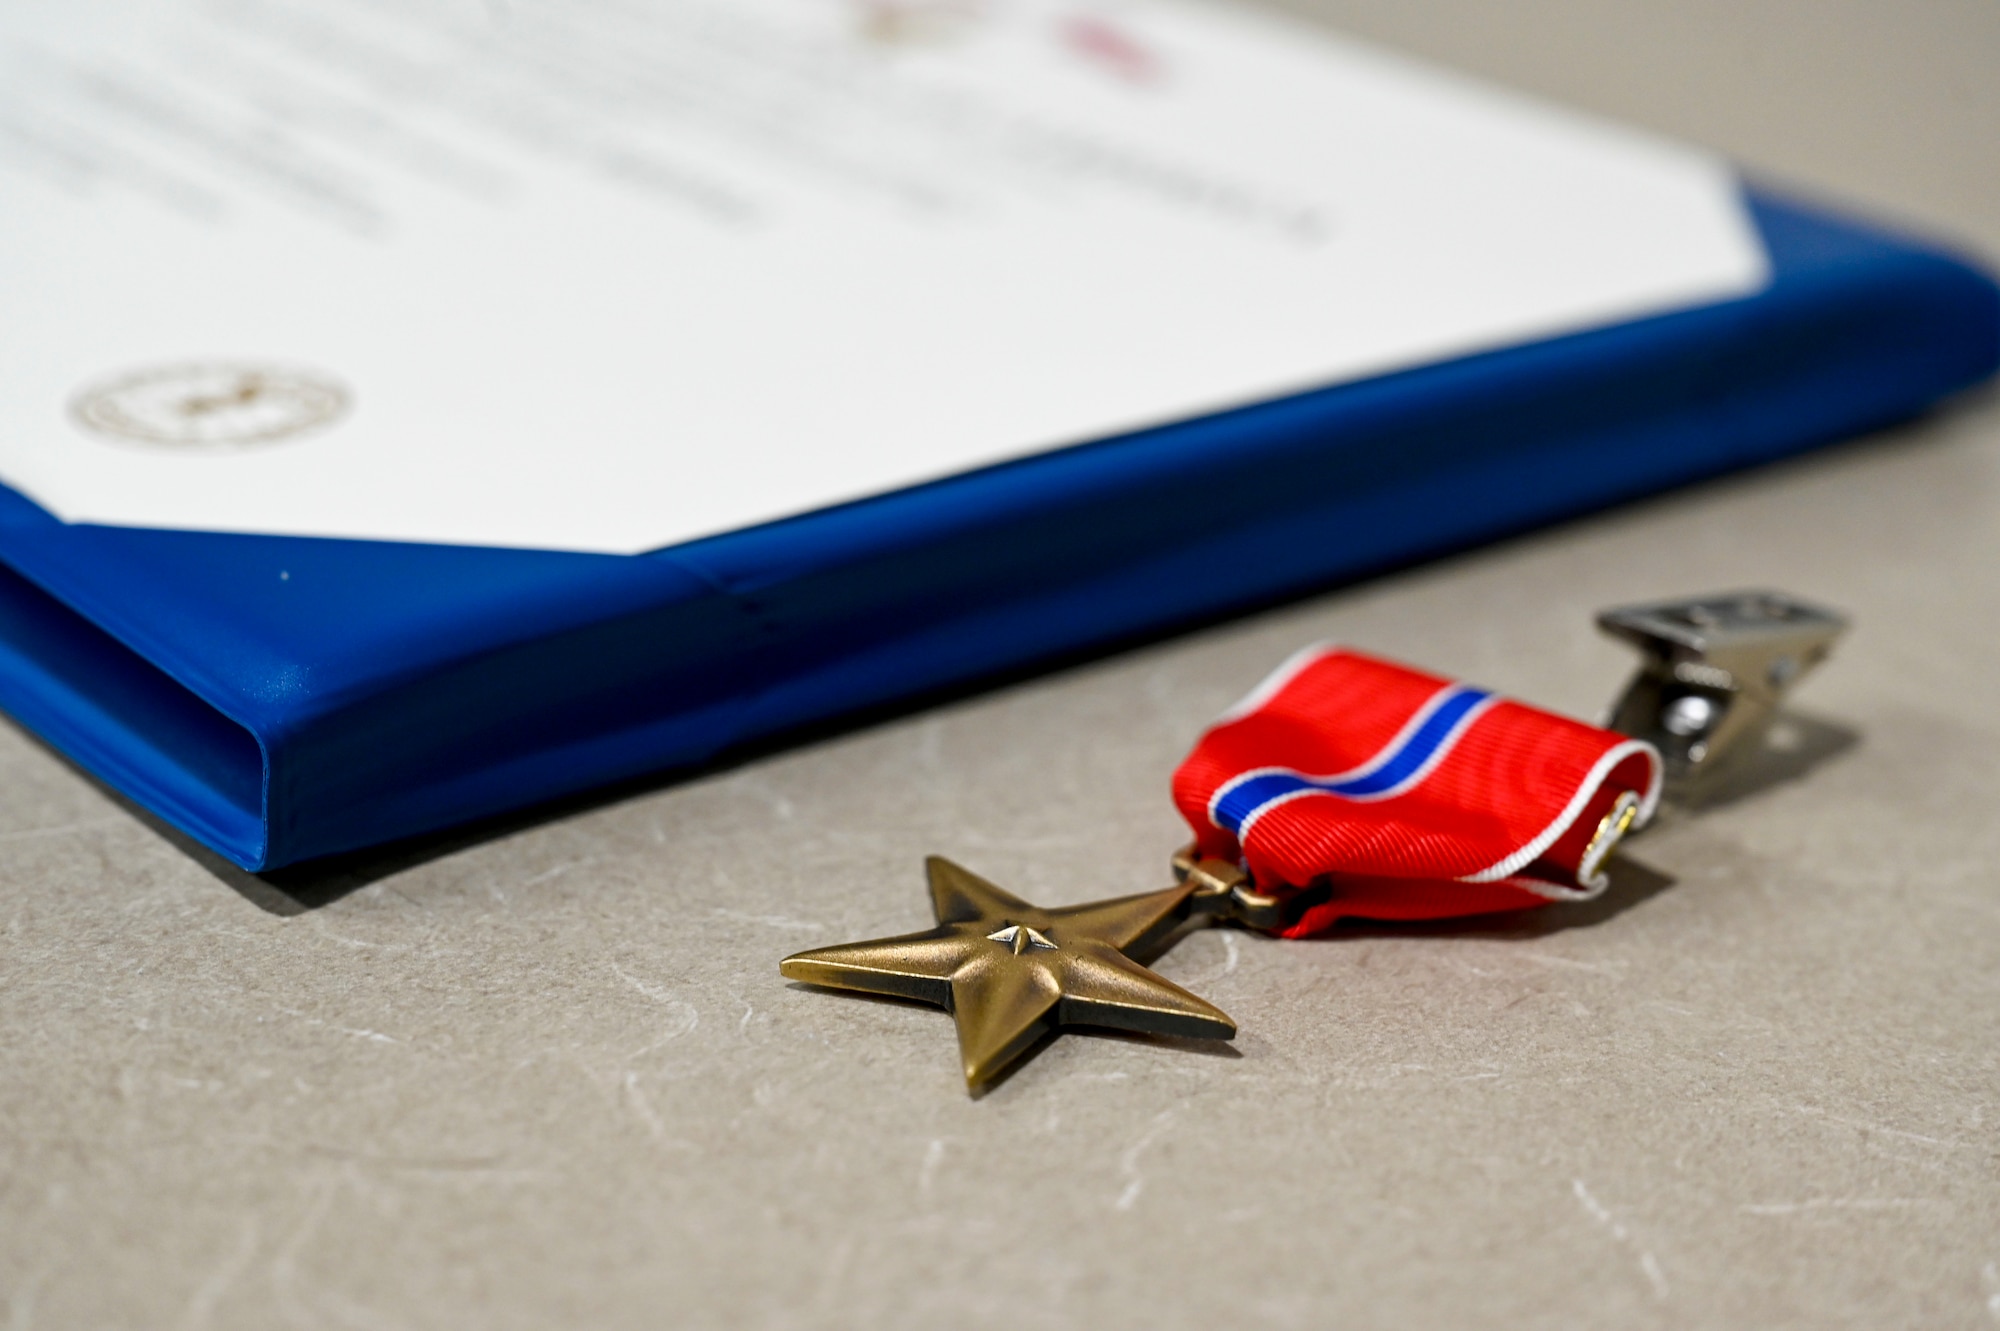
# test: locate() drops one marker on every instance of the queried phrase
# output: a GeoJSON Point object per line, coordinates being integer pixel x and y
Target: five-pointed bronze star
{"type": "Point", "coordinates": [1010, 972]}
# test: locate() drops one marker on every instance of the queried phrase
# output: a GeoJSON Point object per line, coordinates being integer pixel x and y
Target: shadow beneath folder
{"type": "Point", "coordinates": [307, 887]}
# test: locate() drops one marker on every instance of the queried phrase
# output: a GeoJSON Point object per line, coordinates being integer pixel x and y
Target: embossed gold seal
{"type": "Point", "coordinates": [211, 404]}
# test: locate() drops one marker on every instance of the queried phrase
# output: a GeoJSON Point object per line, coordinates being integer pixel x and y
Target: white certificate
{"type": "Point", "coordinates": [608, 275]}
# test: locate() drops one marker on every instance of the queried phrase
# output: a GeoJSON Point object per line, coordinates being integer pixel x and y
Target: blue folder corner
{"type": "Point", "coordinates": [283, 698]}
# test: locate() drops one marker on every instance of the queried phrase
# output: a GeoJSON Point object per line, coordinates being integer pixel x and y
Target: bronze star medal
{"type": "Point", "coordinates": [1010, 972]}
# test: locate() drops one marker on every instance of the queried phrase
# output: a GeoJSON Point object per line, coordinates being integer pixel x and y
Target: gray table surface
{"type": "Point", "coordinates": [550, 1077]}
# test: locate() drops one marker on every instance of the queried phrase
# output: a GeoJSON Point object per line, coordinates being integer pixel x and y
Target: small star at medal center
{"type": "Point", "coordinates": [1065, 966]}
{"type": "Point", "coordinates": [1020, 937]}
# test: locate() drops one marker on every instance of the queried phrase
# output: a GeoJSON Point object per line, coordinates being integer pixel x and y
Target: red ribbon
{"type": "Point", "coordinates": [1407, 796]}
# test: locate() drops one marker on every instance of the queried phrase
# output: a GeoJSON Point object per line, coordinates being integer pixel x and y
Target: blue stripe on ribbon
{"type": "Point", "coordinates": [1386, 775]}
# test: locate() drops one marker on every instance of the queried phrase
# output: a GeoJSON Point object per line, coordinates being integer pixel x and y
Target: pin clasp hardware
{"type": "Point", "coordinates": [1713, 672]}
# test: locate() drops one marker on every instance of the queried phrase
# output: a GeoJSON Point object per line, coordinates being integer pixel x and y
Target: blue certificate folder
{"type": "Point", "coordinates": [282, 698]}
